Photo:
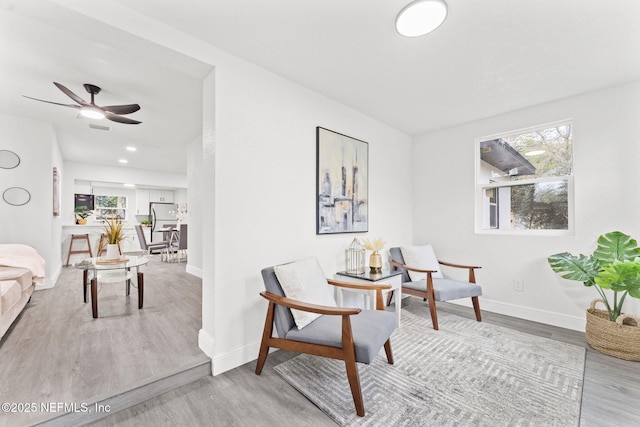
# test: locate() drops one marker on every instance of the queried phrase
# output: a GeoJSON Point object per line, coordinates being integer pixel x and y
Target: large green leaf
{"type": "Point", "coordinates": [581, 268]}
{"type": "Point", "coordinates": [620, 276]}
{"type": "Point", "coordinates": [616, 246]}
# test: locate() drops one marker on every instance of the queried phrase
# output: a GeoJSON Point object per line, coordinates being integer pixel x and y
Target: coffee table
{"type": "Point", "coordinates": [95, 265]}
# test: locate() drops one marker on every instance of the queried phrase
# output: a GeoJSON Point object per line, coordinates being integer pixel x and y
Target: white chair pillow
{"type": "Point", "coordinates": [423, 258]}
{"type": "Point", "coordinates": [304, 280]}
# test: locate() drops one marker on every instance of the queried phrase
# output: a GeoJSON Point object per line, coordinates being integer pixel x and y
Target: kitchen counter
{"type": "Point", "coordinates": [95, 230]}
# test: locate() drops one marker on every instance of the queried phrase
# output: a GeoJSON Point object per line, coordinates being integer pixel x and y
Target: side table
{"type": "Point", "coordinates": [393, 278]}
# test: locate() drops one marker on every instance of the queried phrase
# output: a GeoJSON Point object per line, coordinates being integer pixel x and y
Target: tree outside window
{"type": "Point", "coordinates": [524, 179]}
{"type": "Point", "coordinates": [111, 207]}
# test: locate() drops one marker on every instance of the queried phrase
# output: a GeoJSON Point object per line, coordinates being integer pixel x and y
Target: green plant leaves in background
{"type": "Point", "coordinates": [581, 268]}
{"type": "Point", "coordinates": [616, 246]}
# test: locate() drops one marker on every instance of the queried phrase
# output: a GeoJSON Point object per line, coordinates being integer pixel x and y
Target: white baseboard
{"type": "Point", "coordinates": [50, 282]}
{"type": "Point", "coordinates": [528, 313]}
{"type": "Point", "coordinates": [205, 342]}
{"type": "Point", "coordinates": [224, 362]}
{"type": "Point", "coordinates": [194, 271]}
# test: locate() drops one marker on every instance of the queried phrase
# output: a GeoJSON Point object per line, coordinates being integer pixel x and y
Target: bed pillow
{"type": "Point", "coordinates": [304, 280]}
{"type": "Point", "coordinates": [423, 258]}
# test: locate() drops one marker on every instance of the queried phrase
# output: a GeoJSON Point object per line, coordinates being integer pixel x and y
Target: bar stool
{"type": "Point", "coordinates": [81, 237]}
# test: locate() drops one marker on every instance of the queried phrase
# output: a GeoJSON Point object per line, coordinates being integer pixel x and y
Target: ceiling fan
{"type": "Point", "coordinates": [93, 111]}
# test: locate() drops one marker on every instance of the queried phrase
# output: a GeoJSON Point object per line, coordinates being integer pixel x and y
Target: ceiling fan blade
{"type": "Point", "coordinates": [71, 94]}
{"type": "Point", "coordinates": [121, 109]}
{"type": "Point", "coordinates": [120, 119]}
{"type": "Point", "coordinates": [77, 107]}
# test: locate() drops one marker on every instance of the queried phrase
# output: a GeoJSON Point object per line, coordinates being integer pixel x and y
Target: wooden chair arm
{"type": "Point", "coordinates": [371, 287]}
{"type": "Point", "coordinates": [406, 267]}
{"type": "Point", "coordinates": [449, 264]}
{"type": "Point", "coordinates": [312, 308]}
{"type": "Point", "coordinates": [472, 269]}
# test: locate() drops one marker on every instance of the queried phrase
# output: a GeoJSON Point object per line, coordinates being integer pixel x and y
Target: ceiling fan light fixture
{"type": "Point", "coordinates": [421, 17]}
{"type": "Point", "coordinates": [91, 112]}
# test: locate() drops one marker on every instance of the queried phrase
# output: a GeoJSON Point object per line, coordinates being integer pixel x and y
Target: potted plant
{"type": "Point", "coordinates": [82, 213]}
{"type": "Point", "coordinates": [145, 223]}
{"type": "Point", "coordinates": [114, 231]}
{"type": "Point", "coordinates": [613, 270]}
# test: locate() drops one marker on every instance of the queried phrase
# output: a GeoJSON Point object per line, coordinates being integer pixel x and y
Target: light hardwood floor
{"type": "Point", "coordinates": [240, 398]}
{"type": "Point", "coordinates": [56, 352]}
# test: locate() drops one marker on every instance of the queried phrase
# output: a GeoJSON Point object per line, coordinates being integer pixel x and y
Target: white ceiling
{"type": "Point", "coordinates": [489, 57]}
{"type": "Point", "coordinates": [43, 43]}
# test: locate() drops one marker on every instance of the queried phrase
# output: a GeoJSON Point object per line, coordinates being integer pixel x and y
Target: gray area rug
{"type": "Point", "coordinates": [466, 374]}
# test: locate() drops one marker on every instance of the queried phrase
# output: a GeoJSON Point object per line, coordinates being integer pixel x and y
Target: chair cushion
{"type": "Point", "coordinates": [447, 289]}
{"type": "Point", "coordinates": [303, 280]}
{"type": "Point", "coordinates": [423, 258]}
{"type": "Point", "coordinates": [371, 329]}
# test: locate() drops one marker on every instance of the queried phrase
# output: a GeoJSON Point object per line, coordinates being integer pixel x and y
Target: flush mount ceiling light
{"type": "Point", "coordinates": [421, 17]}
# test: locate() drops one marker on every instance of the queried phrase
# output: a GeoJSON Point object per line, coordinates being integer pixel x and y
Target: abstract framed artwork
{"type": "Point", "coordinates": [342, 183]}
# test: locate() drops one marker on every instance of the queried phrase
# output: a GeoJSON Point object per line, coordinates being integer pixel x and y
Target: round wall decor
{"type": "Point", "coordinates": [8, 159]}
{"type": "Point", "coordinates": [16, 196]}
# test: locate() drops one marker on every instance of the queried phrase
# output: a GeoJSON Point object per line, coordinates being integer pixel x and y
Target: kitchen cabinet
{"type": "Point", "coordinates": [142, 202]}
{"type": "Point", "coordinates": [163, 196]}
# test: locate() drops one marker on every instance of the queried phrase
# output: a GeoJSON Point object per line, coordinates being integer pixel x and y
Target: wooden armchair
{"type": "Point", "coordinates": [348, 334]}
{"type": "Point", "coordinates": [440, 288]}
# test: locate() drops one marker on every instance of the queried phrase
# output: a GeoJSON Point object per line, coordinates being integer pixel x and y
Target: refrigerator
{"type": "Point", "coordinates": [161, 215]}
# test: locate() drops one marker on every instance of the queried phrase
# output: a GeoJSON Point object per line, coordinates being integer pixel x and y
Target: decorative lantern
{"type": "Point", "coordinates": [354, 258]}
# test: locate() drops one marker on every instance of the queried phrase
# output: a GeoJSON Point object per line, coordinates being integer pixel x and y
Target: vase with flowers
{"type": "Point", "coordinates": [375, 260]}
{"type": "Point", "coordinates": [114, 232]}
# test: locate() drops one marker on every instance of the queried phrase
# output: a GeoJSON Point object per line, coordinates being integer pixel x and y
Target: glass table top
{"type": "Point", "coordinates": [126, 261]}
{"type": "Point", "coordinates": [372, 277]}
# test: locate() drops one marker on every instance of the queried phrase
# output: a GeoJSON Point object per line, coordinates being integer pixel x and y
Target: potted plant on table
{"type": "Point", "coordinates": [614, 271]}
{"type": "Point", "coordinates": [82, 213]}
{"type": "Point", "coordinates": [114, 232]}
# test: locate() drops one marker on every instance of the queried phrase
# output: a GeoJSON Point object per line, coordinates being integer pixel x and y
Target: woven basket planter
{"type": "Point", "coordinates": [620, 338]}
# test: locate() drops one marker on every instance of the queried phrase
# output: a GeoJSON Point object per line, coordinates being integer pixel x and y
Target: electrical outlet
{"type": "Point", "coordinates": [518, 285]}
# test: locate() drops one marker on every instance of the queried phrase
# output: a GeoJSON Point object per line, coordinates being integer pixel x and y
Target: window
{"type": "Point", "coordinates": [111, 207]}
{"type": "Point", "coordinates": [524, 180]}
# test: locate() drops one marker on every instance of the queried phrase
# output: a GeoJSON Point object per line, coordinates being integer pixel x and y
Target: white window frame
{"type": "Point", "coordinates": [480, 188]}
{"type": "Point", "coordinates": [98, 209]}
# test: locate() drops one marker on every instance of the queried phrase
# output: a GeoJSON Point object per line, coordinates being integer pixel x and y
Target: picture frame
{"type": "Point", "coordinates": [342, 183]}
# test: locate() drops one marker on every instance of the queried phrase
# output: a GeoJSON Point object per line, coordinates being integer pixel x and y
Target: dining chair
{"type": "Point", "coordinates": [312, 324]}
{"type": "Point", "coordinates": [180, 247]}
{"type": "Point", "coordinates": [148, 247]}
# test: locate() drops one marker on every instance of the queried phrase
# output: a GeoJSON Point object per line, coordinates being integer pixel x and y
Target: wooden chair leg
{"type": "Point", "coordinates": [266, 336]}
{"type": "Point", "coordinates": [389, 296]}
{"type": "Point", "coordinates": [476, 308]}
{"type": "Point", "coordinates": [387, 350]}
{"type": "Point", "coordinates": [349, 353]}
{"type": "Point", "coordinates": [432, 309]}
{"type": "Point", "coordinates": [354, 383]}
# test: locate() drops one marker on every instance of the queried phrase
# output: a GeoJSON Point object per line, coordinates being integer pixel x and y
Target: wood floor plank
{"type": "Point", "coordinates": [241, 398]}
{"type": "Point", "coordinates": [56, 351]}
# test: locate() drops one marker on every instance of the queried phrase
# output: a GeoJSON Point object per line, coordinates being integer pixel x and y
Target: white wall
{"type": "Point", "coordinates": [265, 194]}
{"type": "Point", "coordinates": [606, 155]}
{"type": "Point", "coordinates": [31, 224]}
